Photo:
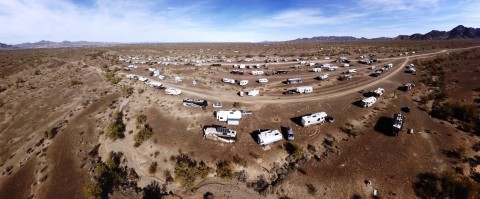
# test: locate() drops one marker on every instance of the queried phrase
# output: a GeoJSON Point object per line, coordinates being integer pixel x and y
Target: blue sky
{"type": "Point", "coordinates": [226, 20]}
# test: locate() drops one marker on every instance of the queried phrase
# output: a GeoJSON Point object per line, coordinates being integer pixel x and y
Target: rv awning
{"type": "Point", "coordinates": [233, 122]}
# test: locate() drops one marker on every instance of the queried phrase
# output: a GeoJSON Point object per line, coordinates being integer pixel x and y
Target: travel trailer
{"type": "Point", "coordinates": [322, 77]}
{"type": "Point", "coordinates": [154, 84]}
{"type": "Point", "coordinates": [269, 136]}
{"type": "Point", "coordinates": [173, 91]}
{"type": "Point", "coordinates": [263, 80]}
{"type": "Point", "coordinates": [378, 92]}
{"type": "Point", "coordinates": [228, 80]}
{"type": "Point", "coordinates": [257, 72]}
{"type": "Point", "coordinates": [231, 117]}
{"type": "Point", "coordinates": [219, 133]}
{"type": "Point", "coordinates": [316, 118]}
{"type": "Point", "coordinates": [253, 92]}
{"type": "Point", "coordinates": [304, 89]}
{"type": "Point", "coordinates": [243, 82]}
{"type": "Point", "coordinates": [316, 70]}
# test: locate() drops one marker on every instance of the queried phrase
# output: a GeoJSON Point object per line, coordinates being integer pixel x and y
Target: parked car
{"type": "Point", "coordinates": [290, 136]}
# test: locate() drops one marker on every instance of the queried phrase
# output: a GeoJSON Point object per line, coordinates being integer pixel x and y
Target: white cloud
{"type": "Point", "coordinates": [404, 5]}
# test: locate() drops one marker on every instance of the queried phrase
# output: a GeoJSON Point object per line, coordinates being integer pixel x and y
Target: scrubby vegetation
{"type": "Point", "coordinates": [143, 134]}
{"type": "Point", "coordinates": [110, 75]}
{"type": "Point", "coordinates": [92, 190]}
{"type": "Point", "coordinates": [225, 169]}
{"type": "Point", "coordinates": [109, 175]}
{"type": "Point", "coordinates": [140, 119]}
{"type": "Point", "coordinates": [116, 128]}
{"type": "Point", "coordinates": [295, 151]}
{"type": "Point", "coordinates": [152, 168]}
{"type": "Point", "coordinates": [446, 185]}
{"type": "Point", "coordinates": [75, 82]}
{"type": "Point", "coordinates": [188, 170]}
{"type": "Point", "coordinates": [127, 91]}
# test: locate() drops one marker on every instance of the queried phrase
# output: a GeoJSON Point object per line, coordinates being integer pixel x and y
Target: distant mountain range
{"type": "Point", "coordinates": [459, 32]}
{"type": "Point", "coordinates": [51, 44]}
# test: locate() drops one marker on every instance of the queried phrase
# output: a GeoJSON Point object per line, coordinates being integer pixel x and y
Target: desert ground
{"type": "Point", "coordinates": [57, 107]}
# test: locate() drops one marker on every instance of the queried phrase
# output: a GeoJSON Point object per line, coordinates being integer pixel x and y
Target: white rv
{"type": "Point", "coordinates": [132, 76]}
{"type": "Point", "coordinates": [243, 82]}
{"type": "Point", "coordinates": [231, 117]}
{"type": "Point", "coordinates": [253, 92]}
{"type": "Point", "coordinates": [263, 80]}
{"type": "Point", "coordinates": [352, 71]}
{"type": "Point", "coordinates": [367, 102]}
{"type": "Point", "coordinates": [220, 134]}
{"type": "Point", "coordinates": [322, 77]}
{"type": "Point", "coordinates": [132, 66]}
{"type": "Point", "coordinates": [316, 118]}
{"type": "Point", "coordinates": [154, 84]}
{"type": "Point", "coordinates": [257, 72]}
{"type": "Point", "coordinates": [316, 70]}
{"type": "Point", "coordinates": [269, 137]}
{"type": "Point", "coordinates": [178, 79]}
{"type": "Point", "coordinates": [378, 92]}
{"type": "Point", "coordinates": [173, 91]}
{"type": "Point", "coordinates": [304, 89]}
{"type": "Point", "coordinates": [143, 79]}
{"type": "Point", "coordinates": [228, 80]}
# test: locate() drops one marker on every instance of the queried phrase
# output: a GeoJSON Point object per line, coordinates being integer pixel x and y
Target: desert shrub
{"type": "Point", "coordinates": [140, 119]}
{"type": "Point", "coordinates": [1, 103]}
{"type": "Point", "coordinates": [111, 77]}
{"type": "Point", "coordinates": [152, 168]}
{"type": "Point", "coordinates": [225, 169]}
{"type": "Point", "coordinates": [168, 176]}
{"type": "Point", "coordinates": [142, 135]}
{"type": "Point", "coordinates": [110, 174]}
{"type": "Point", "coordinates": [458, 110]}
{"type": "Point", "coordinates": [116, 128]}
{"type": "Point", "coordinates": [311, 189]}
{"type": "Point", "coordinates": [187, 170]}
{"type": "Point", "coordinates": [75, 82]}
{"type": "Point", "coordinates": [127, 91]}
{"type": "Point", "coordinates": [239, 160]}
{"type": "Point", "coordinates": [295, 151]}
{"type": "Point", "coordinates": [37, 72]}
{"type": "Point", "coordinates": [237, 104]}
{"type": "Point", "coordinates": [140, 91]}
{"type": "Point", "coordinates": [445, 185]}
{"type": "Point", "coordinates": [92, 190]}
{"type": "Point", "coordinates": [153, 191]}
{"type": "Point", "coordinates": [208, 195]}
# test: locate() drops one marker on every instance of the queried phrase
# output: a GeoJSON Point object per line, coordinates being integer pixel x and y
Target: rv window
{"type": "Point", "coordinates": [318, 119]}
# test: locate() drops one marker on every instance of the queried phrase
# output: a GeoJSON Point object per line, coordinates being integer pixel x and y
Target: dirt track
{"type": "Point", "coordinates": [338, 91]}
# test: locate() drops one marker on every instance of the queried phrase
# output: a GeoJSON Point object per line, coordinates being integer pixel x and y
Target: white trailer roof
{"type": "Point", "coordinates": [269, 136]}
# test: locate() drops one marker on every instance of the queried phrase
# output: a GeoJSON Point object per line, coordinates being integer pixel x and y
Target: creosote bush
{"type": "Point", "coordinates": [225, 169]}
{"type": "Point", "coordinates": [116, 128]}
{"type": "Point", "coordinates": [143, 134]}
{"type": "Point", "coordinates": [188, 170]}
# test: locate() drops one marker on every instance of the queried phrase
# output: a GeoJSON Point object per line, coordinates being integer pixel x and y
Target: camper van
{"type": "Point", "coordinates": [154, 84]}
{"type": "Point", "coordinates": [257, 72]}
{"type": "Point", "coordinates": [378, 92]}
{"type": "Point", "coordinates": [316, 70]}
{"type": "Point", "coordinates": [269, 136]}
{"type": "Point", "coordinates": [228, 80]}
{"type": "Point", "coordinates": [316, 118]}
{"type": "Point", "coordinates": [304, 89]}
{"type": "Point", "coordinates": [367, 102]}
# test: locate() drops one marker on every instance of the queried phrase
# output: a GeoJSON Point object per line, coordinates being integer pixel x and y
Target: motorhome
{"type": "Point", "coordinates": [294, 80]}
{"type": "Point", "coordinates": [173, 91]}
{"type": "Point", "coordinates": [142, 79]}
{"type": "Point", "coordinates": [367, 102]}
{"type": "Point", "coordinates": [397, 124]}
{"type": "Point", "coordinates": [231, 117]}
{"type": "Point", "coordinates": [269, 136]}
{"type": "Point", "coordinates": [316, 118]}
{"type": "Point", "coordinates": [132, 76]}
{"type": "Point", "coordinates": [178, 79]}
{"type": "Point", "coordinates": [352, 71]}
{"type": "Point", "coordinates": [195, 103]}
{"type": "Point", "coordinates": [304, 89]}
{"type": "Point", "coordinates": [345, 77]}
{"type": "Point", "coordinates": [219, 133]}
